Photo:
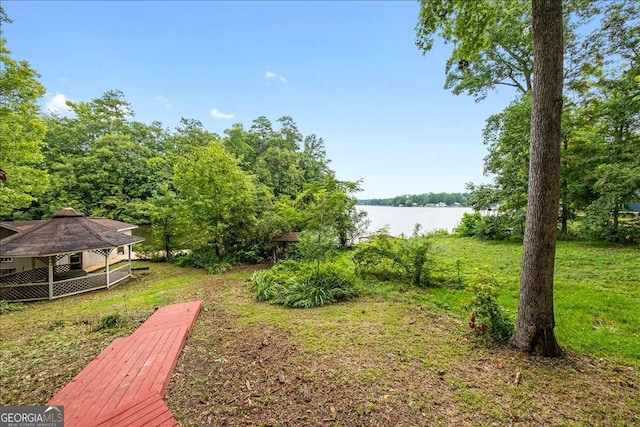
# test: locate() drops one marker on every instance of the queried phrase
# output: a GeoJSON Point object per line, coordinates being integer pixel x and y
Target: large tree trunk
{"type": "Point", "coordinates": [535, 321]}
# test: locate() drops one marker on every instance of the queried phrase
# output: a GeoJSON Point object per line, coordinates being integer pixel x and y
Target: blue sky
{"type": "Point", "coordinates": [348, 72]}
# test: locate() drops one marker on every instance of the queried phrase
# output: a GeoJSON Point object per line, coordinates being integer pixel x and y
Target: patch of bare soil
{"type": "Point", "coordinates": [254, 376]}
{"type": "Point", "coordinates": [231, 374]}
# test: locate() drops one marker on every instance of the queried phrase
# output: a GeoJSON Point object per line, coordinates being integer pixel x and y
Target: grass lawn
{"type": "Point", "coordinates": [396, 356]}
{"type": "Point", "coordinates": [597, 291]}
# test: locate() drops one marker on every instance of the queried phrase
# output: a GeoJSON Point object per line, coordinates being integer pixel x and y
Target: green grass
{"type": "Point", "coordinates": [597, 291]}
{"type": "Point", "coordinates": [53, 340]}
{"type": "Point", "coordinates": [396, 348]}
{"type": "Point", "coordinates": [596, 295]}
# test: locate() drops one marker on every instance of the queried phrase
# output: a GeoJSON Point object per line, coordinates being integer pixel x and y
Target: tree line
{"type": "Point", "coordinates": [226, 195]}
{"type": "Point", "coordinates": [600, 137]}
{"type": "Point", "coordinates": [424, 199]}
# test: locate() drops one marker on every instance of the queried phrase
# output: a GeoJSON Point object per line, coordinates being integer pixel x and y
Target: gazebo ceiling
{"type": "Point", "coordinates": [66, 231]}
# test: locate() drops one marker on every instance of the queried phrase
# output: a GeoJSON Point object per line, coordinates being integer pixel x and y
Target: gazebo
{"type": "Point", "coordinates": [50, 252]}
{"type": "Point", "coordinates": [280, 242]}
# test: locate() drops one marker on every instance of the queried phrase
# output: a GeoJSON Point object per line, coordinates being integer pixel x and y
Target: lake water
{"type": "Point", "coordinates": [402, 220]}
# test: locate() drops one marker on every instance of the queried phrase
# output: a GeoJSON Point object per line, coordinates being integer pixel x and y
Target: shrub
{"type": "Point", "coordinates": [598, 224]}
{"type": "Point", "coordinates": [317, 245]}
{"type": "Point", "coordinates": [468, 224]}
{"type": "Point", "coordinates": [386, 256]}
{"type": "Point", "coordinates": [253, 255]}
{"type": "Point", "coordinates": [57, 324]}
{"type": "Point", "coordinates": [319, 288]}
{"type": "Point", "coordinates": [206, 260]}
{"type": "Point", "coordinates": [370, 262]}
{"type": "Point", "coordinates": [110, 322]}
{"type": "Point", "coordinates": [487, 317]}
{"type": "Point", "coordinates": [265, 287]}
{"type": "Point", "coordinates": [494, 227]}
{"type": "Point", "coordinates": [302, 284]}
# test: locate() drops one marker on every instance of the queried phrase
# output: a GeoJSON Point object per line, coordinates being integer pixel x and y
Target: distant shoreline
{"type": "Point", "coordinates": [428, 200]}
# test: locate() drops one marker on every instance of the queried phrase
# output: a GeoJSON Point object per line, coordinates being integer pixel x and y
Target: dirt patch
{"type": "Point", "coordinates": [251, 376]}
{"type": "Point", "coordinates": [412, 367]}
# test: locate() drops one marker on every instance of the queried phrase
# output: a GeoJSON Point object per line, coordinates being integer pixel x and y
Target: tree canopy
{"type": "Point", "coordinates": [21, 133]}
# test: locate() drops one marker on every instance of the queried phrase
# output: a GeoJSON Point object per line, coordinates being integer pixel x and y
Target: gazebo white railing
{"type": "Point", "coordinates": [16, 290]}
{"type": "Point", "coordinates": [51, 241]}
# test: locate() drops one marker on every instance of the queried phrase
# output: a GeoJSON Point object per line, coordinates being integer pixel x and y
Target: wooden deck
{"type": "Point", "coordinates": [100, 266]}
{"type": "Point", "coordinates": [124, 385]}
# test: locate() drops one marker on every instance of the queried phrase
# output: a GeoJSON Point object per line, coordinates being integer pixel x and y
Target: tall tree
{"type": "Point", "coordinates": [535, 321]}
{"type": "Point", "coordinates": [507, 136]}
{"type": "Point", "coordinates": [471, 26]}
{"type": "Point", "coordinates": [220, 199]}
{"type": "Point", "coordinates": [21, 133]}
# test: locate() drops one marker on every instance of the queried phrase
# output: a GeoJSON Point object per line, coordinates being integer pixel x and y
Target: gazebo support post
{"type": "Point", "coordinates": [129, 251]}
{"type": "Point", "coordinates": [106, 265]}
{"type": "Point", "coordinates": [50, 277]}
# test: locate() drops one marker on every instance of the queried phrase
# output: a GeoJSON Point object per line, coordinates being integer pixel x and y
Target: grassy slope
{"type": "Point", "coordinates": [47, 343]}
{"type": "Point", "coordinates": [391, 355]}
{"type": "Point", "coordinates": [597, 291]}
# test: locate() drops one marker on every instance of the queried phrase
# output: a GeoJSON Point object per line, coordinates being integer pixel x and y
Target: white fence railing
{"type": "Point", "coordinates": [13, 292]}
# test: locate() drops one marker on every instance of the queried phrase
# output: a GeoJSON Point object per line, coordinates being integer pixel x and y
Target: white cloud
{"type": "Point", "coordinates": [216, 114]}
{"type": "Point", "coordinates": [58, 104]}
{"type": "Point", "coordinates": [164, 101]}
{"type": "Point", "coordinates": [270, 75]}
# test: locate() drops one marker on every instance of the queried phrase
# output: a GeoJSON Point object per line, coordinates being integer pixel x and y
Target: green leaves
{"type": "Point", "coordinates": [220, 199]}
{"type": "Point", "coordinates": [410, 255]}
{"type": "Point", "coordinates": [21, 134]}
{"type": "Point", "coordinates": [492, 43]}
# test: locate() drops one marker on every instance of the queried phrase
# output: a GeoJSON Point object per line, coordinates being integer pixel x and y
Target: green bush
{"type": "Point", "coordinates": [255, 254]}
{"type": "Point", "coordinates": [206, 260]}
{"type": "Point", "coordinates": [302, 284]}
{"type": "Point", "coordinates": [110, 322]}
{"type": "Point", "coordinates": [598, 224]}
{"type": "Point", "coordinates": [323, 287]}
{"type": "Point", "coordinates": [494, 227]}
{"type": "Point", "coordinates": [487, 317]}
{"type": "Point", "coordinates": [387, 256]}
{"type": "Point", "coordinates": [265, 287]}
{"type": "Point", "coordinates": [468, 224]}
{"type": "Point", "coordinates": [369, 262]}
{"type": "Point", "coordinates": [317, 245]}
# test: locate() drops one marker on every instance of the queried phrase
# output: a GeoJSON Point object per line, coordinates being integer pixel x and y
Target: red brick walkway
{"type": "Point", "coordinates": [124, 385]}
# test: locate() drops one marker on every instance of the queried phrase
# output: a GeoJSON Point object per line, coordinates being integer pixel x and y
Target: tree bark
{"type": "Point", "coordinates": [535, 320]}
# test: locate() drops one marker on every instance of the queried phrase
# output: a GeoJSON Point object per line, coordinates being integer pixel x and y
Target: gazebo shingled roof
{"type": "Point", "coordinates": [67, 231]}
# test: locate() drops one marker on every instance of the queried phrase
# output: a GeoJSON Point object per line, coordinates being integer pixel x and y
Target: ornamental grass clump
{"type": "Point", "coordinates": [303, 285]}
